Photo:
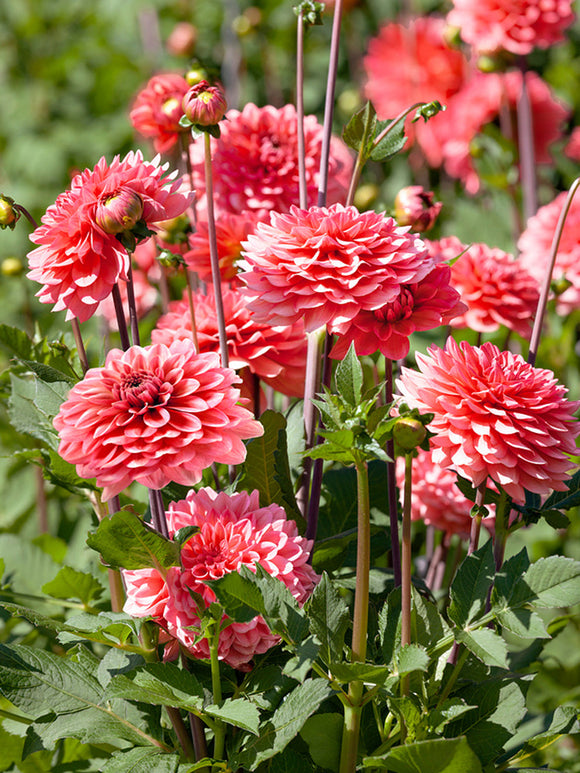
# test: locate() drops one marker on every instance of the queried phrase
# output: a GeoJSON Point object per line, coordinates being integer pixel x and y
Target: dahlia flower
{"type": "Point", "coordinates": [422, 306]}
{"type": "Point", "coordinates": [517, 26]}
{"type": "Point", "coordinates": [414, 206]}
{"type": "Point", "coordinates": [535, 246]}
{"type": "Point", "coordinates": [231, 231]}
{"type": "Point", "coordinates": [79, 258]}
{"type": "Point", "coordinates": [494, 415]}
{"type": "Point", "coordinates": [157, 110]}
{"type": "Point", "coordinates": [276, 354]}
{"type": "Point", "coordinates": [572, 149]}
{"type": "Point", "coordinates": [325, 265]}
{"type": "Point", "coordinates": [234, 531]}
{"type": "Point", "coordinates": [255, 161]}
{"type": "Point", "coordinates": [204, 105]}
{"type": "Point", "coordinates": [153, 414]}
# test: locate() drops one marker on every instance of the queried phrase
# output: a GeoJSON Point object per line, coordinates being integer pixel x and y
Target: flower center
{"type": "Point", "coordinates": [400, 309]}
{"type": "Point", "coordinates": [142, 391]}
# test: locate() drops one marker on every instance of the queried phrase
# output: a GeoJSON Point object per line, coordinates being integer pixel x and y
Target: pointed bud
{"type": "Point", "coordinates": [204, 105]}
{"type": "Point", "coordinates": [415, 207]}
{"type": "Point", "coordinates": [120, 211]}
{"type": "Point", "coordinates": [8, 215]}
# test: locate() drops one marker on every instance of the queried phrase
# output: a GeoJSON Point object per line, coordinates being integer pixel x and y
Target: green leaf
{"type": "Point", "coordinates": [441, 755]}
{"type": "Point", "coordinates": [16, 341]}
{"type": "Point", "coordinates": [471, 585]}
{"type": "Point", "coordinates": [329, 619]}
{"type": "Point", "coordinates": [449, 710]}
{"type": "Point", "coordinates": [238, 712]}
{"type": "Point", "coordinates": [564, 500]}
{"type": "Point", "coordinates": [549, 582]}
{"type": "Point", "coordinates": [390, 625]}
{"type": "Point", "coordinates": [486, 645]}
{"type": "Point", "coordinates": [48, 373]}
{"type": "Point", "coordinates": [468, 490]}
{"type": "Point", "coordinates": [160, 684]}
{"type": "Point", "coordinates": [411, 658]}
{"type": "Point", "coordinates": [111, 628]}
{"type": "Point", "coordinates": [298, 667]}
{"type": "Point", "coordinates": [61, 473]}
{"type": "Point", "coordinates": [360, 128]}
{"type": "Point", "coordinates": [392, 143]}
{"type": "Point", "coordinates": [125, 541]}
{"type": "Point", "coordinates": [323, 735]}
{"type": "Point", "coordinates": [359, 672]}
{"type": "Point", "coordinates": [141, 760]}
{"type": "Point", "coordinates": [72, 584]}
{"type": "Point", "coordinates": [25, 415]}
{"type": "Point", "coordinates": [239, 595]}
{"type": "Point", "coordinates": [349, 378]}
{"type": "Point", "coordinates": [282, 612]}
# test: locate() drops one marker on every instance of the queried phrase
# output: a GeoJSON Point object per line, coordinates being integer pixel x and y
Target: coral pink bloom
{"type": "Point", "coordinates": [325, 265]}
{"type": "Point", "coordinates": [495, 415]}
{"type": "Point", "coordinates": [234, 531]}
{"type": "Point", "coordinates": [422, 306]}
{"type": "Point", "coordinates": [255, 161]}
{"type": "Point", "coordinates": [447, 138]}
{"type": "Point", "coordinates": [153, 414]}
{"type": "Point", "coordinates": [437, 500]}
{"type": "Point", "coordinates": [497, 290]}
{"type": "Point", "coordinates": [158, 108]}
{"type": "Point", "coordinates": [78, 262]}
{"type": "Point", "coordinates": [408, 64]}
{"type": "Point", "coordinates": [276, 354]}
{"type": "Point", "coordinates": [535, 246]}
{"type": "Point", "coordinates": [572, 149]}
{"type": "Point", "coordinates": [231, 231]}
{"type": "Point", "coordinates": [517, 26]}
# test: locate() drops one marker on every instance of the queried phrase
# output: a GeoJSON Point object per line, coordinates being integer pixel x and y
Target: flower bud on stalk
{"type": "Point", "coordinates": [409, 433]}
{"type": "Point", "coordinates": [415, 207]}
{"type": "Point", "coordinates": [8, 214]}
{"type": "Point", "coordinates": [120, 211]}
{"type": "Point", "coordinates": [204, 105]}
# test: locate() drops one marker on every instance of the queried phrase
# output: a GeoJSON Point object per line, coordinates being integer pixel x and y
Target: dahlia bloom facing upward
{"type": "Point", "coordinates": [158, 109]}
{"type": "Point", "coordinates": [495, 415]}
{"type": "Point", "coordinates": [80, 258]}
{"type": "Point", "coordinates": [325, 265]}
{"type": "Point", "coordinates": [234, 531]}
{"type": "Point", "coordinates": [154, 414]}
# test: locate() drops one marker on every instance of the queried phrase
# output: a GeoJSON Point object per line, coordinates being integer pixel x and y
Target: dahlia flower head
{"type": "Point", "coordinates": [277, 355]}
{"type": "Point", "coordinates": [234, 531]}
{"type": "Point", "coordinates": [535, 246]}
{"type": "Point", "coordinates": [495, 416]}
{"type": "Point", "coordinates": [255, 161]}
{"type": "Point", "coordinates": [325, 265]}
{"type": "Point", "coordinates": [158, 109]}
{"type": "Point", "coordinates": [496, 287]}
{"type": "Point", "coordinates": [517, 26]}
{"type": "Point", "coordinates": [80, 258]}
{"type": "Point", "coordinates": [154, 414]}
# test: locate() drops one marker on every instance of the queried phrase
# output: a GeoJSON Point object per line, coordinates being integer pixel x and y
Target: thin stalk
{"type": "Point", "coordinates": [189, 290]}
{"type": "Point", "coordinates": [213, 253]}
{"type": "Point", "coordinates": [527, 154]}
{"type": "Point", "coordinates": [476, 522]}
{"type": "Point", "coordinates": [392, 483]}
{"type": "Point", "coordinates": [436, 571]}
{"type": "Point", "coordinates": [181, 732]}
{"type": "Point", "coordinates": [158, 512]}
{"type": "Point", "coordinates": [501, 531]}
{"type": "Point", "coordinates": [121, 321]}
{"type": "Point", "coordinates": [302, 190]}
{"type": "Point", "coordinates": [216, 686]}
{"type": "Point", "coordinates": [311, 381]}
{"type": "Point", "coordinates": [76, 328]}
{"type": "Point", "coordinates": [133, 321]}
{"type": "Point", "coordinates": [545, 291]}
{"type": "Point", "coordinates": [115, 579]}
{"type": "Point", "coordinates": [406, 565]}
{"type": "Point", "coordinates": [26, 213]}
{"type": "Point", "coordinates": [185, 141]}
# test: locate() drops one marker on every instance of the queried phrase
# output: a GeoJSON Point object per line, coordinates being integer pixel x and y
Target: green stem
{"type": "Point", "coordinates": [406, 565]}
{"type": "Point", "coordinates": [501, 530]}
{"type": "Point", "coordinates": [216, 686]}
{"type": "Point", "coordinates": [453, 676]}
{"type": "Point", "coordinates": [302, 190]}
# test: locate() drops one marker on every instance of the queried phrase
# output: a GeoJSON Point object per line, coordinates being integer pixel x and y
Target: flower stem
{"type": "Point", "coordinates": [76, 328]}
{"type": "Point", "coordinates": [189, 290]}
{"type": "Point", "coordinates": [501, 531]}
{"type": "Point", "coordinates": [26, 214]}
{"type": "Point", "coordinates": [406, 565]}
{"type": "Point", "coordinates": [216, 686]}
{"type": "Point", "coordinates": [392, 483]}
{"type": "Point", "coordinates": [311, 381]}
{"type": "Point", "coordinates": [158, 512]}
{"type": "Point", "coordinates": [329, 104]}
{"type": "Point", "coordinates": [121, 321]}
{"type": "Point", "coordinates": [133, 322]}
{"type": "Point", "coordinates": [302, 190]}
{"type": "Point", "coordinates": [526, 147]}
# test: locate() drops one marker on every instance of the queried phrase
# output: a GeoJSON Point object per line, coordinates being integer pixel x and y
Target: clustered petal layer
{"type": "Point", "coordinates": [325, 265]}
{"type": "Point", "coordinates": [157, 110]}
{"type": "Point", "coordinates": [495, 415]}
{"type": "Point", "coordinates": [154, 414]}
{"type": "Point", "coordinates": [234, 531]}
{"type": "Point", "coordinates": [78, 262]}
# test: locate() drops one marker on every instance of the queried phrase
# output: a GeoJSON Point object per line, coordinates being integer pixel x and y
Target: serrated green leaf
{"type": "Point", "coordinates": [329, 619]}
{"type": "Point", "coordinates": [411, 658]}
{"type": "Point", "coordinates": [71, 584]}
{"type": "Point", "coordinates": [239, 595]}
{"type": "Point", "coordinates": [24, 414]}
{"type": "Point", "coordinates": [282, 612]}
{"type": "Point", "coordinates": [305, 654]}
{"type": "Point", "coordinates": [441, 755]}
{"type": "Point", "coordinates": [238, 712]}
{"type": "Point", "coordinates": [471, 585]}
{"type": "Point", "coordinates": [449, 710]}
{"type": "Point", "coordinates": [360, 128]}
{"type": "Point", "coordinates": [564, 500]}
{"type": "Point", "coordinates": [125, 541]}
{"type": "Point", "coordinates": [141, 760]}
{"type": "Point", "coordinates": [390, 625]}
{"type": "Point", "coordinates": [61, 473]}
{"type": "Point", "coordinates": [359, 672]}
{"type": "Point", "coordinates": [549, 582]}
{"type": "Point", "coordinates": [349, 378]}
{"type": "Point", "coordinates": [524, 623]}
{"type": "Point", "coordinates": [160, 684]}
{"type": "Point", "coordinates": [323, 735]}
{"type": "Point", "coordinates": [486, 645]}
{"type": "Point", "coordinates": [16, 341]}
{"type": "Point", "coordinates": [48, 373]}
{"type": "Point", "coordinates": [392, 143]}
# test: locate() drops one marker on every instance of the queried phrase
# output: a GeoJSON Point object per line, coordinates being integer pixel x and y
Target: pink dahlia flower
{"type": "Point", "coordinates": [78, 261]}
{"type": "Point", "coordinates": [154, 414]}
{"type": "Point", "coordinates": [234, 531]}
{"type": "Point", "coordinates": [325, 265]}
{"type": "Point", "coordinates": [422, 306]}
{"type": "Point", "coordinates": [517, 26]}
{"type": "Point", "coordinates": [255, 161]}
{"type": "Point", "coordinates": [497, 290]}
{"type": "Point", "coordinates": [157, 110]}
{"type": "Point", "coordinates": [535, 245]}
{"type": "Point", "coordinates": [276, 354]}
{"type": "Point", "coordinates": [495, 415]}
{"type": "Point", "coordinates": [572, 149]}
{"type": "Point", "coordinates": [413, 63]}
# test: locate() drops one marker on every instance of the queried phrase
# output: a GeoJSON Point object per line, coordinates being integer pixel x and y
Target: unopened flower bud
{"type": "Point", "coordinates": [182, 40]}
{"type": "Point", "coordinates": [365, 195]}
{"type": "Point", "coordinates": [12, 267]}
{"type": "Point", "coordinates": [204, 105]}
{"type": "Point", "coordinates": [120, 211]}
{"type": "Point", "coordinates": [174, 231]}
{"type": "Point", "coordinates": [415, 207]}
{"type": "Point", "coordinates": [195, 74]}
{"type": "Point", "coordinates": [409, 433]}
{"type": "Point", "coordinates": [8, 215]}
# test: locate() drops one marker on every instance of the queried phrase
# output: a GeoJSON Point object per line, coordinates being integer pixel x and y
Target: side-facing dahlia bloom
{"type": "Point", "coordinates": [234, 531]}
{"type": "Point", "coordinates": [157, 110]}
{"type": "Point", "coordinates": [422, 306]}
{"type": "Point", "coordinates": [154, 414]}
{"type": "Point", "coordinates": [78, 261]}
{"type": "Point", "coordinates": [277, 355]}
{"type": "Point", "coordinates": [325, 265]}
{"type": "Point", "coordinates": [495, 415]}
{"type": "Point", "coordinates": [535, 246]}
{"type": "Point", "coordinates": [255, 161]}
{"type": "Point", "coordinates": [497, 290]}
{"type": "Point", "coordinates": [517, 26]}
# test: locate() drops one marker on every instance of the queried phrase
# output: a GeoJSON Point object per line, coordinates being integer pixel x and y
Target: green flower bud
{"type": "Point", "coordinates": [409, 433]}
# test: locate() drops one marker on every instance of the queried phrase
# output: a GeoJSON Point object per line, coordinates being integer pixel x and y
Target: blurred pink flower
{"type": "Point", "coordinates": [276, 354]}
{"type": "Point", "coordinates": [157, 110]}
{"type": "Point", "coordinates": [517, 26]}
{"type": "Point", "coordinates": [325, 265]}
{"type": "Point", "coordinates": [255, 161]}
{"type": "Point", "coordinates": [572, 149]}
{"type": "Point", "coordinates": [414, 206]}
{"type": "Point", "coordinates": [231, 231]}
{"type": "Point", "coordinates": [497, 290]}
{"type": "Point", "coordinates": [78, 262]}
{"type": "Point", "coordinates": [422, 306]}
{"type": "Point", "coordinates": [234, 531]}
{"type": "Point", "coordinates": [494, 415]}
{"type": "Point", "coordinates": [153, 414]}
{"type": "Point", "coordinates": [535, 246]}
